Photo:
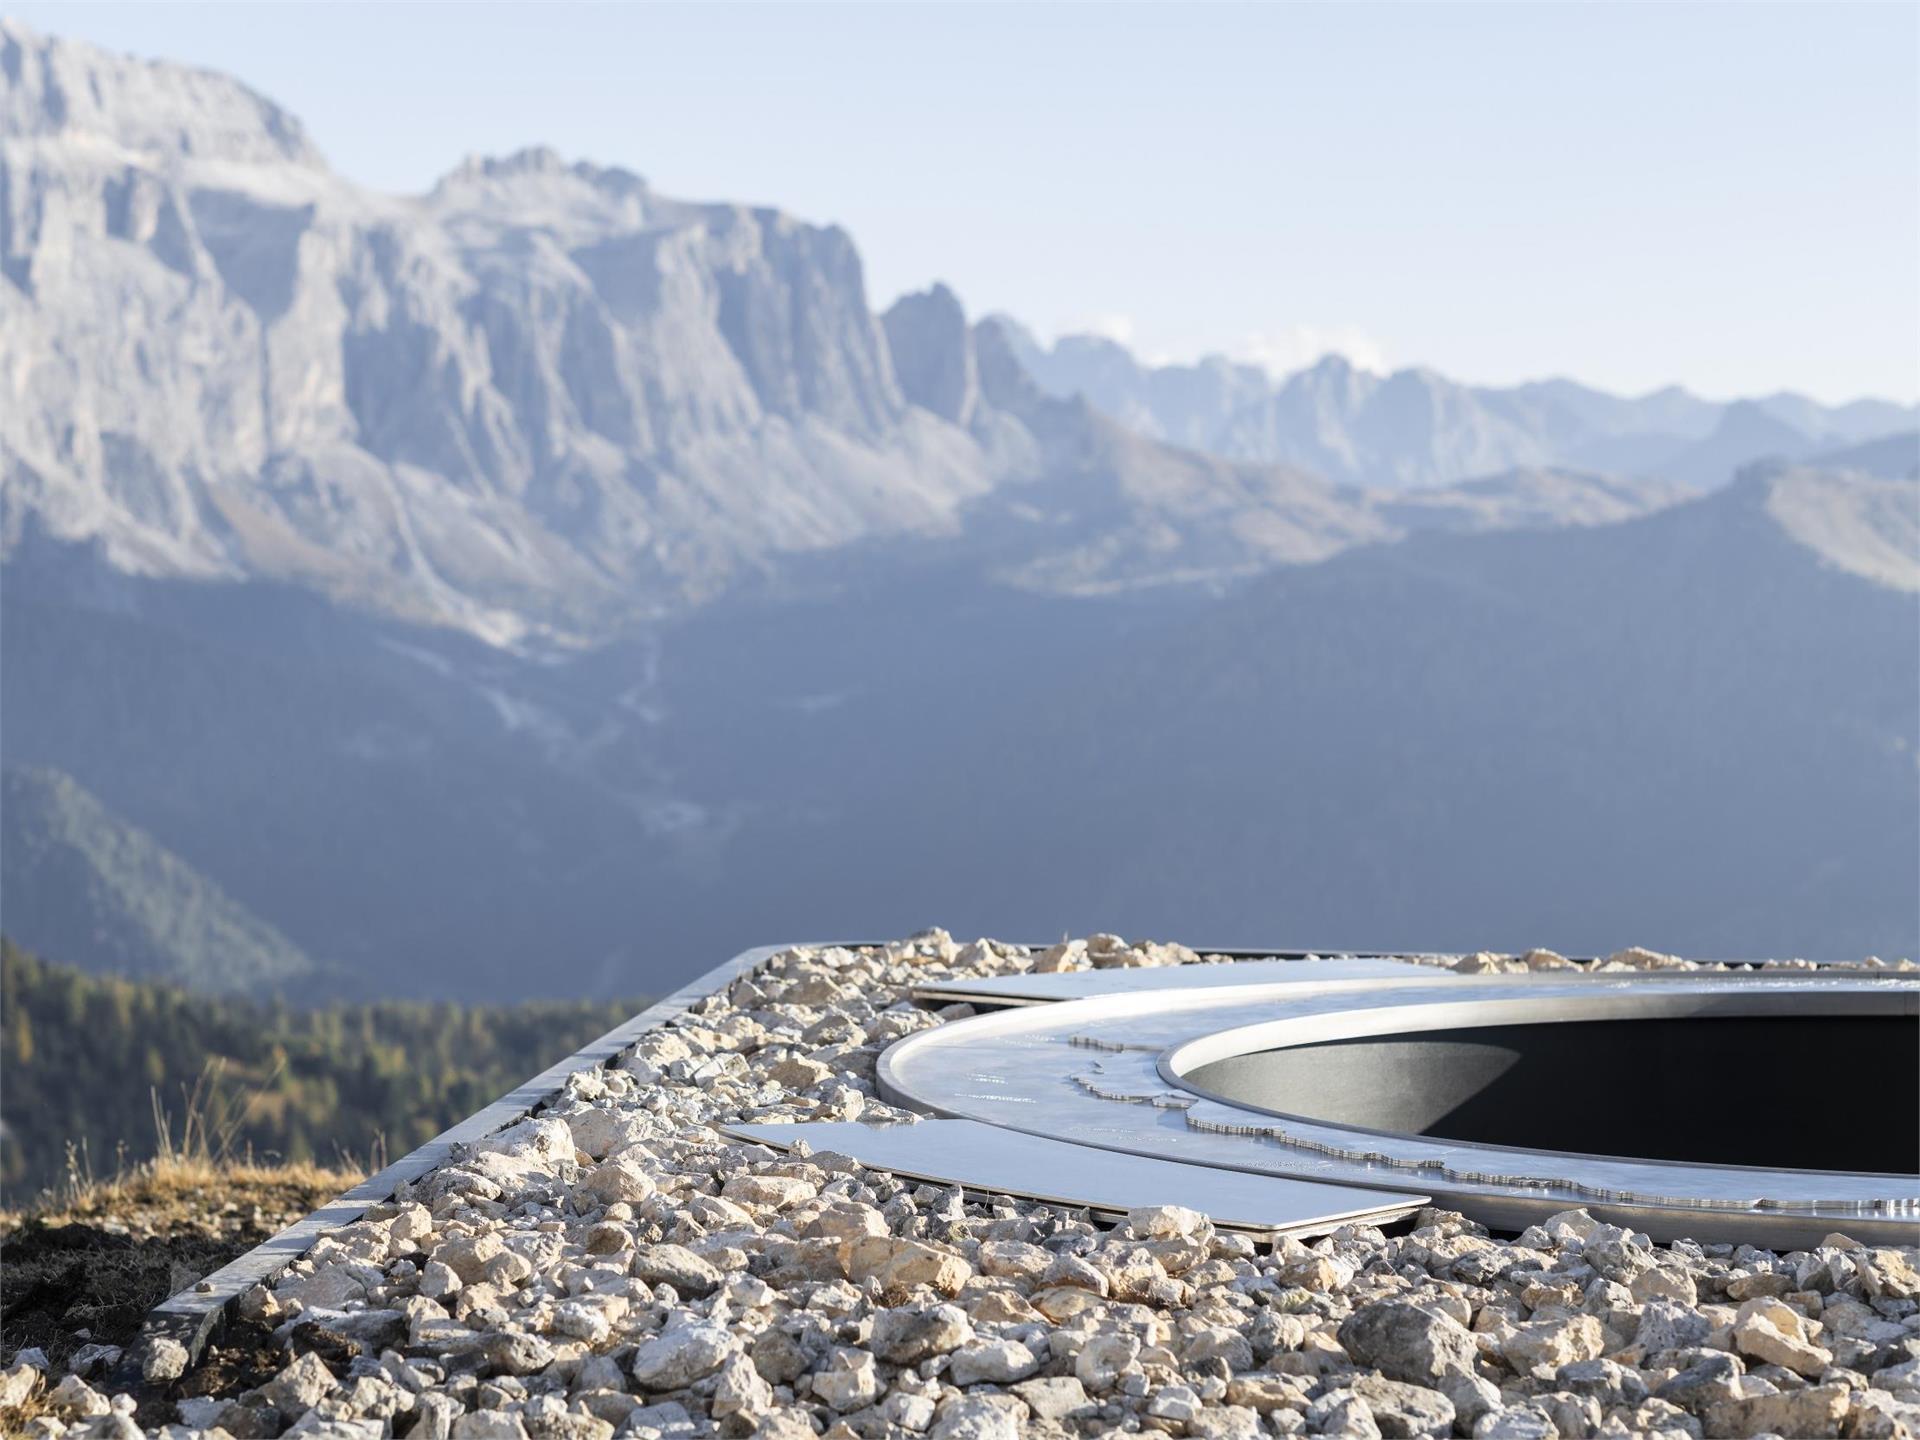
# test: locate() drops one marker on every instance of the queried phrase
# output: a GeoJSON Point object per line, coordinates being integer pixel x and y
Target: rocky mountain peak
{"type": "Point", "coordinates": [933, 354]}
{"type": "Point", "coordinates": [532, 160]}
{"type": "Point", "coordinates": [544, 399]}
{"type": "Point", "coordinates": [537, 189]}
{"type": "Point", "coordinates": [1751, 420]}
{"type": "Point", "coordinates": [69, 91]}
{"type": "Point", "coordinates": [506, 175]}
{"type": "Point", "coordinates": [1332, 365]}
{"type": "Point", "coordinates": [1001, 350]}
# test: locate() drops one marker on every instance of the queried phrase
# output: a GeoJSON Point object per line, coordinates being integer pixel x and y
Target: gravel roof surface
{"type": "Point", "coordinates": [612, 1265]}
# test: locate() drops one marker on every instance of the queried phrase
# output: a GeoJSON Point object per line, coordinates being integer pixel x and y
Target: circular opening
{"type": "Point", "coordinates": [1804, 1092]}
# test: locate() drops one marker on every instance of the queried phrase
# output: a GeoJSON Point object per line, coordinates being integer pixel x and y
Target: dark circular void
{"type": "Point", "coordinates": [1816, 1092]}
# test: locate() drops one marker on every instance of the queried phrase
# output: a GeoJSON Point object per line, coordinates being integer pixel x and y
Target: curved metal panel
{"type": "Point", "coordinates": [997, 1161]}
{"type": "Point", "coordinates": [1107, 1073]}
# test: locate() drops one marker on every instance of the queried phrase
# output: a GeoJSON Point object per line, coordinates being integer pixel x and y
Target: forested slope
{"type": "Point", "coordinates": [84, 1057]}
{"type": "Point", "coordinates": [84, 883]}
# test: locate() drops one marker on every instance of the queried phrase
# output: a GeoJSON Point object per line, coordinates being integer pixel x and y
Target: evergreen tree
{"type": "Point", "coordinates": [83, 1058]}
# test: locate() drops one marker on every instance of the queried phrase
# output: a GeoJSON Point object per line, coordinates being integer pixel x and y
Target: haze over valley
{"type": "Point", "coordinates": [545, 586]}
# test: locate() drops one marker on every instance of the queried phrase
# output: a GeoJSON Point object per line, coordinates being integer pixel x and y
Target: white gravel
{"type": "Point", "coordinates": [613, 1266]}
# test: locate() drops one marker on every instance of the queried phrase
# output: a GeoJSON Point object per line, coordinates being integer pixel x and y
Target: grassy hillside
{"type": "Point", "coordinates": [84, 1059]}
{"type": "Point", "coordinates": [82, 882]}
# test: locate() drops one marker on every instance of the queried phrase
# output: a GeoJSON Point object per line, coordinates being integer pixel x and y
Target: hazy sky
{"type": "Point", "coordinates": [1726, 196]}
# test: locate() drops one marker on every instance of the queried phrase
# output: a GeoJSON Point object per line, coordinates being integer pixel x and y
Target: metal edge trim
{"type": "Point", "coordinates": [193, 1316]}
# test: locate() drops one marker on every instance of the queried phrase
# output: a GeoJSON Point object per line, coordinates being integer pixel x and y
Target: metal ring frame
{"type": "Point", "coordinates": [1112, 1072]}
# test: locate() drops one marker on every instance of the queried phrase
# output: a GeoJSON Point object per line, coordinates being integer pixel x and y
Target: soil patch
{"type": "Point", "coordinates": [62, 1286]}
{"type": "Point", "coordinates": [88, 1268]}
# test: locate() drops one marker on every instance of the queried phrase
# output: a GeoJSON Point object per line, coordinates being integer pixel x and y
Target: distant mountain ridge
{"type": "Point", "coordinates": [1416, 428]}
{"type": "Point", "coordinates": [1868, 525]}
{"type": "Point", "coordinates": [1694, 729]}
{"type": "Point", "coordinates": [81, 880]}
{"type": "Point", "coordinates": [545, 404]}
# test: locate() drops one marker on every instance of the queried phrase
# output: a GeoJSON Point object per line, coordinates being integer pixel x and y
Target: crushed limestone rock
{"type": "Point", "coordinates": [614, 1268]}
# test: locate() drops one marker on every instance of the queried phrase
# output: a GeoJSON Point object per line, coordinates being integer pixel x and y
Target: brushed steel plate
{"type": "Point", "coordinates": [1004, 1162]}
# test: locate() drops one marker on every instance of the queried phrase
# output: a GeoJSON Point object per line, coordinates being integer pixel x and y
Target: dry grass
{"type": "Point", "coordinates": [88, 1258]}
{"type": "Point", "coordinates": [88, 1265]}
{"type": "Point", "coordinates": [171, 1194]}
{"type": "Point", "coordinates": [196, 1177]}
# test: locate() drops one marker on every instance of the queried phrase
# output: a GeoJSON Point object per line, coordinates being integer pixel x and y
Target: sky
{"type": "Point", "coordinates": [1724, 196]}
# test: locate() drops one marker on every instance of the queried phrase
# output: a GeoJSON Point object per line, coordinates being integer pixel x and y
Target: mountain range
{"type": "Point", "coordinates": [544, 401]}
{"type": "Point", "coordinates": [541, 585]}
{"type": "Point", "coordinates": [1417, 428]}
